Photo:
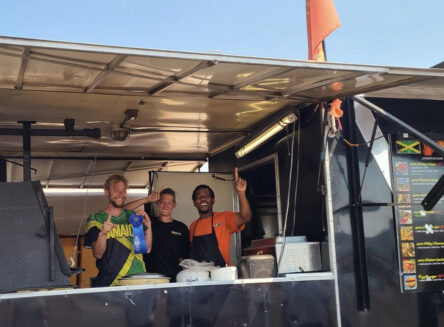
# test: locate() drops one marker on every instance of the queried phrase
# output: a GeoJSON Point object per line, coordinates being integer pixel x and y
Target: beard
{"type": "Point", "coordinates": [116, 205]}
{"type": "Point", "coordinates": [204, 211]}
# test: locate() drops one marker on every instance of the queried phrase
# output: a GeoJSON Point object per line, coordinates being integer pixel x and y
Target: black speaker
{"type": "Point", "coordinates": [30, 251]}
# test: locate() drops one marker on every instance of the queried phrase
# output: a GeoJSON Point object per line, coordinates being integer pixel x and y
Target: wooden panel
{"type": "Point", "coordinates": [68, 246]}
{"type": "Point", "coordinates": [88, 262]}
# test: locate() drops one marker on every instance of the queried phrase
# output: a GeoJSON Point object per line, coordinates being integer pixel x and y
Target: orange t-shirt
{"type": "Point", "coordinates": [224, 224]}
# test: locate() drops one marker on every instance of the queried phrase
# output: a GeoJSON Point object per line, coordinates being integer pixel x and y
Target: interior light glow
{"type": "Point", "coordinates": [267, 134]}
{"type": "Point", "coordinates": [90, 191]}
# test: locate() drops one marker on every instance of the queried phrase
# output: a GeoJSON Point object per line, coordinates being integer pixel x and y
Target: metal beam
{"type": "Point", "coordinates": [51, 170]}
{"type": "Point", "coordinates": [89, 132]}
{"type": "Point", "coordinates": [364, 89]}
{"type": "Point", "coordinates": [380, 150]}
{"type": "Point", "coordinates": [26, 150]}
{"type": "Point", "coordinates": [176, 78]}
{"type": "Point", "coordinates": [252, 80]}
{"type": "Point", "coordinates": [23, 65]}
{"type": "Point", "coordinates": [71, 63]}
{"type": "Point", "coordinates": [356, 215]}
{"type": "Point", "coordinates": [384, 114]}
{"type": "Point", "coordinates": [109, 68]}
{"type": "Point", "coordinates": [303, 88]}
{"type": "Point", "coordinates": [163, 130]}
{"type": "Point", "coordinates": [128, 164]}
{"type": "Point", "coordinates": [108, 172]}
{"type": "Point", "coordinates": [2, 170]}
{"type": "Point", "coordinates": [109, 156]}
{"type": "Point", "coordinates": [79, 64]}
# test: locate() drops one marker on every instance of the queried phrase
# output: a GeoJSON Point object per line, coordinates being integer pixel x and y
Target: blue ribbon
{"type": "Point", "coordinates": [138, 234]}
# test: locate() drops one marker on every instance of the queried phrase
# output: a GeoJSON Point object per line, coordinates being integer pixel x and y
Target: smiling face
{"type": "Point", "coordinates": [166, 205]}
{"type": "Point", "coordinates": [116, 194]}
{"type": "Point", "coordinates": [204, 202]}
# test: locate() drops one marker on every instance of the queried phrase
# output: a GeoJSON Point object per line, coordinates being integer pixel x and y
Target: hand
{"type": "Point", "coordinates": [146, 218]}
{"type": "Point", "coordinates": [107, 226]}
{"type": "Point", "coordinates": [154, 196]}
{"type": "Point", "coordinates": [240, 183]}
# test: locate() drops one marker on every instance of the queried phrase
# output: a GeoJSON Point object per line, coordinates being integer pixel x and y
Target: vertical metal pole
{"type": "Point", "coordinates": [26, 150]}
{"type": "Point", "coordinates": [331, 231]}
{"type": "Point", "coordinates": [51, 245]}
{"type": "Point", "coordinates": [2, 170]}
{"type": "Point", "coordinates": [356, 216]}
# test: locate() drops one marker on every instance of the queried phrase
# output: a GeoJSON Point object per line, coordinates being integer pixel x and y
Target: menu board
{"type": "Point", "coordinates": [416, 169]}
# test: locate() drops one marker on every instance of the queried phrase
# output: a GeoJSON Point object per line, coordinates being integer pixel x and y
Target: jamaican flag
{"type": "Point", "coordinates": [408, 147]}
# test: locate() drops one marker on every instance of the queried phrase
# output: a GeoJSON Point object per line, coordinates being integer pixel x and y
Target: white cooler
{"type": "Point", "coordinates": [298, 255]}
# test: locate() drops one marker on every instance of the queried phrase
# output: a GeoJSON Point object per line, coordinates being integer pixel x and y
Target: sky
{"type": "Point", "coordinates": [404, 33]}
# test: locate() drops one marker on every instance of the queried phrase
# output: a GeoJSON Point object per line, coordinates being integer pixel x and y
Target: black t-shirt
{"type": "Point", "coordinates": [171, 241]}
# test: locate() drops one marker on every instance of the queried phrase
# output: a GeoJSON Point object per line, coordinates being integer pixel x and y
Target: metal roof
{"type": "Point", "coordinates": [190, 104]}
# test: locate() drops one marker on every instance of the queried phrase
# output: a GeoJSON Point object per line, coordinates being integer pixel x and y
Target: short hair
{"type": "Point", "coordinates": [113, 179]}
{"type": "Point", "coordinates": [198, 187]}
{"type": "Point", "coordinates": [169, 191]}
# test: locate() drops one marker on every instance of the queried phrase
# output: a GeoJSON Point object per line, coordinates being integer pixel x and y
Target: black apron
{"type": "Point", "coordinates": [206, 247]}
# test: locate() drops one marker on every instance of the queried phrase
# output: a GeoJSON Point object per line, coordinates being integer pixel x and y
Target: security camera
{"type": "Point", "coordinates": [120, 133]}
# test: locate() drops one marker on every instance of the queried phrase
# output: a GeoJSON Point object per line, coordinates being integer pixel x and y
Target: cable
{"type": "Point", "coordinates": [288, 194]}
{"type": "Point", "coordinates": [71, 258]}
{"type": "Point", "coordinates": [296, 187]}
{"type": "Point", "coordinates": [358, 144]}
{"type": "Point", "coordinates": [222, 179]}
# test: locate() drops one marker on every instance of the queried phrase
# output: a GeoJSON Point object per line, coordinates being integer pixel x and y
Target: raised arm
{"type": "Point", "coordinates": [244, 214]}
{"type": "Point", "coordinates": [148, 230]}
{"type": "Point", "coordinates": [133, 205]}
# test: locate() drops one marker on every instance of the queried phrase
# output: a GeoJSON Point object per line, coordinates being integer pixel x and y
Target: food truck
{"type": "Point", "coordinates": [347, 208]}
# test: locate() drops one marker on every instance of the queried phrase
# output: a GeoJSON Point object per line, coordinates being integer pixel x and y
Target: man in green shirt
{"type": "Point", "coordinates": [110, 235]}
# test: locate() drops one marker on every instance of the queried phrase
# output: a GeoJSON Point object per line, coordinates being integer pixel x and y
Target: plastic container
{"type": "Point", "coordinates": [224, 273]}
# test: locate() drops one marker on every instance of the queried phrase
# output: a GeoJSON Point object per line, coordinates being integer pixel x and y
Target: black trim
{"type": "Point", "coordinates": [357, 223]}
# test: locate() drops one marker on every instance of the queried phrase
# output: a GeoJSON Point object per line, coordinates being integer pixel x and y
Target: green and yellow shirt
{"type": "Point", "coordinates": [119, 259]}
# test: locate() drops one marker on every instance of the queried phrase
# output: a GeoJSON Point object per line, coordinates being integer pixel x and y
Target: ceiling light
{"type": "Point", "coordinates": [265, 135]}
{"type": "Point", "coordinates": [58, 191]}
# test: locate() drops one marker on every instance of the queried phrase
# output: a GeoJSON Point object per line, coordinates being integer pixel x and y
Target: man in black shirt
{"type": "Point", "coordinates": [171, 239]}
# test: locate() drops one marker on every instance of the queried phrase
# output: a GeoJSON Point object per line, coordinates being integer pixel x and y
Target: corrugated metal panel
{"type": "Point", "coordinates": [49, 81]}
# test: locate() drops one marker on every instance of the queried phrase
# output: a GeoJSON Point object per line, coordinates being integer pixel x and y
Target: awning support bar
{"type": "Point", "coordinates": [384, 114]}
{"type": "Point", "coordinates": [438, 189]}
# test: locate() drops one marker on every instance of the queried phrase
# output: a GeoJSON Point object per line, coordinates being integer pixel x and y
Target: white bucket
{"type": "Point", "coordinates": [192, 275]}
{"type": "Point", "coordinates": [225, 273]}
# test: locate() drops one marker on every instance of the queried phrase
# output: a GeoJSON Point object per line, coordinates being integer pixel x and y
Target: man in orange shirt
{"type": "Point", "coordinates": [210, 234]}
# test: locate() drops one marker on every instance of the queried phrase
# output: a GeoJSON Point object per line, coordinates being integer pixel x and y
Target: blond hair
{"type": "Point", "coordinates": [113, 179]}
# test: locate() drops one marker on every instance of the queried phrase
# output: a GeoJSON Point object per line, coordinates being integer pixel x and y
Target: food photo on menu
{"type": "Point", "coordinates": [409, 266]}
{"type": "Point", "coordinates": [403, 184]}
{"type": "Point", "coordinates": [410, 282]}
{"type": "Point", "coordinates": [408, 249]}
{"type": "Point", "coordinates": [404, 198]}
{"type": "Point", "coordinates": [402, 168]}
{"type": "Point", "coordinates": [406, 233]}
{"type": "Point", "coordinates": [405, 217]}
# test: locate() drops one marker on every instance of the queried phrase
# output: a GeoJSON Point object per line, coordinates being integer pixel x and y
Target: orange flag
{"type": "Point", "coordinates": [322, 19]}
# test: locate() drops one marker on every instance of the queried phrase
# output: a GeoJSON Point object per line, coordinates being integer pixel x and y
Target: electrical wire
{"type": "Point", "coordinates": [296, 186]}
{"type": "Point", "coordinates": [288, 195]}
{"type": "Point", "coordinates": [358, 144]}
{"type": "Point", "coordinates": [71, 258]}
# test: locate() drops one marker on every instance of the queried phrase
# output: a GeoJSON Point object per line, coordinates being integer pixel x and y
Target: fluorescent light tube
{"type": "Point", "coordinates": [265, 135]}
